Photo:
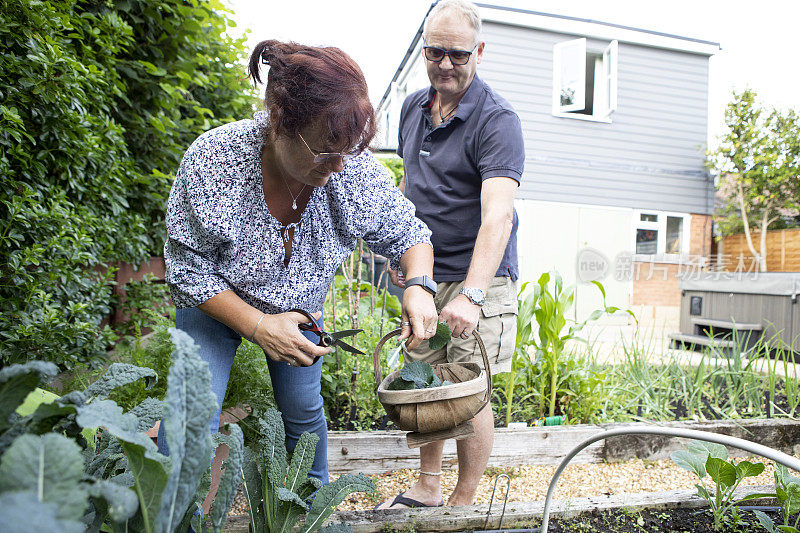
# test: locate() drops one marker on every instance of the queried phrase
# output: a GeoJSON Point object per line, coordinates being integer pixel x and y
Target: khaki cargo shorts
{"type": "Point", "coordinates": [497, 326]}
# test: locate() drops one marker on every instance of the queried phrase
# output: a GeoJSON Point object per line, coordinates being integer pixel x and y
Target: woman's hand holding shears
{"type": "Point", "coordinates": [280, 337]}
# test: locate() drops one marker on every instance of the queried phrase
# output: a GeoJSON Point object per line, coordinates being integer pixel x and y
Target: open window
{"type": "Point", "coordinates": [584, 80]}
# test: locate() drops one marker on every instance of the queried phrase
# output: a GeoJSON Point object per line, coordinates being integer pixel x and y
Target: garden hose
{"type": "Point", "coordinates": [735, 442]}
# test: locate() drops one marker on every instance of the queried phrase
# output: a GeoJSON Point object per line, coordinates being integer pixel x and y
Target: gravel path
{"type": "Point", "coordinates": [529, 483]}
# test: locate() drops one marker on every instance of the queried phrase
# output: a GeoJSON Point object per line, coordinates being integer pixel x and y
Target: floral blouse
{"type": "Point", "coordinates": [221, 235]}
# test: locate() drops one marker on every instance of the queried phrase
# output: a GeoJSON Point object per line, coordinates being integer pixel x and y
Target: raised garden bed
{"type": "Point", "coordinates": [379, 452]}
{"type": "Point", "coordinates": [376, 452]}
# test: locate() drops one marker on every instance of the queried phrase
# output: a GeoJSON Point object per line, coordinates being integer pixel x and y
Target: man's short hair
{"type": "Point", "coordinates": [465, 9]}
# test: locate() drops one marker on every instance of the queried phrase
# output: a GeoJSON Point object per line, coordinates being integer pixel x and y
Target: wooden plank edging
{"type": "Point", "coordinates": [517, 515]}
{"type": "Point", "coordinates": [378, 452]}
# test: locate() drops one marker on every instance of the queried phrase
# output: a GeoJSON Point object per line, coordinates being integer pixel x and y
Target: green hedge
{"type": "Point", "coordinates": [98, 101]}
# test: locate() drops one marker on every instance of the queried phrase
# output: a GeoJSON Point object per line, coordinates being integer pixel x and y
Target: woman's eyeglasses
{"type": "Point", "coordinates": [324, 157]}
{"type": "Point", "coordinates": [457, 57]}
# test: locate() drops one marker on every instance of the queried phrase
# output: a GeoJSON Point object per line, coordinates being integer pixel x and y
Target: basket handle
{"type": "Point", "coordinates": [376, 359]}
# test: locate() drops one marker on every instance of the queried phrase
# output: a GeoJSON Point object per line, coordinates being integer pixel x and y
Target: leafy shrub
{"type": "Point", "coordinates": [99, 101]}
{"type": "Point", "coordinates": [145, 304]}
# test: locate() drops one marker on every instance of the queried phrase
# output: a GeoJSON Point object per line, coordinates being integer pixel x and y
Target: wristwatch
{"type": "Point", "coordinates": [423, 281]}
{"type": "Point", "coordinates": [476, 296]}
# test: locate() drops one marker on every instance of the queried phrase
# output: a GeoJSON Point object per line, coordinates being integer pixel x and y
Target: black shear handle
{"type": "Point", "coordinates": [324, 339]}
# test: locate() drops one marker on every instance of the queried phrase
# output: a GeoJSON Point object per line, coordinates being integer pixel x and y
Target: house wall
{"type": "Point", "coordinates": [584, 180]}
{"type": "Point", "coordinates": [656, 283]}
{"type": "Point", "coordinates": [555, 236]}
{"type": "Point", "coordinates": [650, 156]}
{"type": "Point", "coordinates": [552, 236]}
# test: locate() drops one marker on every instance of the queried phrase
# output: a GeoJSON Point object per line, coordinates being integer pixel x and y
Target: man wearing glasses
{"type": "Point", "coordinates": [463, 155]}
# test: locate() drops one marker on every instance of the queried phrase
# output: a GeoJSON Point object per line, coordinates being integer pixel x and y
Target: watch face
{"type": "Point", "coordinates": [476, 296]}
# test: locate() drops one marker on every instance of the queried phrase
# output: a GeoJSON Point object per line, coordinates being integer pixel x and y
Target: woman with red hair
{"type": "Point", "coordinates": [262, 213]}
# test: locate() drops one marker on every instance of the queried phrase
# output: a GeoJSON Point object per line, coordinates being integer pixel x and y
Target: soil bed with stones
{"type": "Point", "coordinates": [529, 482]}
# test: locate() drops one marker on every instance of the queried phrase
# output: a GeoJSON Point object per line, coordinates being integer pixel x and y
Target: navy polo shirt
{"type": "Point", "coordinates": [446, 166]}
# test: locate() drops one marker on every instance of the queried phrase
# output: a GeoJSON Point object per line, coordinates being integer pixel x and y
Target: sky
{"type": "Point", "coordinates": [755, 36]}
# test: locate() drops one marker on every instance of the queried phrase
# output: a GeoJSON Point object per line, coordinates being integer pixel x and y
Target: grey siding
{"type": "Point", "coordinates": [651, 156]}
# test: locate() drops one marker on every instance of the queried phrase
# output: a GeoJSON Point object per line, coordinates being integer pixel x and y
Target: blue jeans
{"type": "Point", "coordinates": [296, 389]}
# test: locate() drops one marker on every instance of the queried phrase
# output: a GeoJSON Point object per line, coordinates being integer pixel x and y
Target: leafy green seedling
{"type": "Point", "coordinates": [705, 458]}
{"type": "Point", "coordinates": [417, 375]}
{"type": "Point", "coordinates": [787, 491]}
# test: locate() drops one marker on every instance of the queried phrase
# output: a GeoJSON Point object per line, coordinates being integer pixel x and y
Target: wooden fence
{"type": "Point", "coordinates": [783, 251]}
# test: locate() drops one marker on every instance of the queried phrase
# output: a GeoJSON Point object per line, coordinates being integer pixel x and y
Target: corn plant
{"type": "Point", "coordinates": [525, 339]}
{"type": "Point", "coordinates": [555, 329]}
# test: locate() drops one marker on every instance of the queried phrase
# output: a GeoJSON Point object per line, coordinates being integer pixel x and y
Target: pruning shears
{"type": "Point", "coordinates": [328, 339]}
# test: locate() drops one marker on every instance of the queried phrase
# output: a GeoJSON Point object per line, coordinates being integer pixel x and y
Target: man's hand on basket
{"type": "Point", "coordinates": [461, 315]}
{"type": "Point", "coordinates": [418, 319]}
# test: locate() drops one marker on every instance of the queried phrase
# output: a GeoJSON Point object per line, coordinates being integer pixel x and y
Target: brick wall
{"type": "Point", "coordinates": [700, 235]}
{"type": "Point", "coordinates": [655, 283]}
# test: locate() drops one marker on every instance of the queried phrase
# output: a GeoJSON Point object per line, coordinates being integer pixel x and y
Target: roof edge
{"type": "Point", "coordinates": [595, 28]}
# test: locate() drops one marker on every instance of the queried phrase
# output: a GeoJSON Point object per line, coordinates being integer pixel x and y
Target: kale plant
{"type": "Point", "coordinates": [277, 487]}
{"type": "Point", "coordinates": [53, 479]}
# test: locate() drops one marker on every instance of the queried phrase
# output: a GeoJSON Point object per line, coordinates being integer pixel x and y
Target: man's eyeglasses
{"type": "Point", "coordinates": [457, 57]}
{"type": "Point", "coordinates": [324, 157]}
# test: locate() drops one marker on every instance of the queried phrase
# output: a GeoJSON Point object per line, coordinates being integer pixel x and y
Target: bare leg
{"type": "Point", "coordinates": [473, 456]}
{"type": "Point", "coordinates": [428, 489]}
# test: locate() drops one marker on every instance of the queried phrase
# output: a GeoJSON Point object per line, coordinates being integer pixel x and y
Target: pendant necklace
{"type": "Point", "coordinates": [294, 198]}
{"type": "Point", "coordinates": [446, 117]}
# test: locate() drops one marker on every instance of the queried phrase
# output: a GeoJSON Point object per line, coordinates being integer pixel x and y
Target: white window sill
{"type": "Point", "coordinates": [579, 116]}
{"type": "Point", "coordinates": [669, 259]}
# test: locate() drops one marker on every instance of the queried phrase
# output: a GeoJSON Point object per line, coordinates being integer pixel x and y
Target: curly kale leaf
{"type": "Point", "coordinates": [418, 372]}
{"type": "Point", "coordinates": [190, 405]}
{"type": "Point", "coordinates": [117, 375]}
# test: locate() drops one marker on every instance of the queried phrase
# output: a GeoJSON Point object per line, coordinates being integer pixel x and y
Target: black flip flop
{"type": "Point", "coordinates": [410, 502]}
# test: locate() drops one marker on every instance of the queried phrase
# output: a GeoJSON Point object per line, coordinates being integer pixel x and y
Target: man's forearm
{"type": "Point", "coordinates": [490, 245]}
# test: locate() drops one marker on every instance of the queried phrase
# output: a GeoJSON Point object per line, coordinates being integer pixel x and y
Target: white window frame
{"type": "Point", "coordinates": [606, 87]}
{"type": "Point", "coordinates": [574, 47]}
{"type": "Point", "coordinates": [661, 226]}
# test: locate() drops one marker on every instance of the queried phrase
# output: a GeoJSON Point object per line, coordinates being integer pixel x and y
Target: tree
{"type": "Point", "coordinates": [758, 161]}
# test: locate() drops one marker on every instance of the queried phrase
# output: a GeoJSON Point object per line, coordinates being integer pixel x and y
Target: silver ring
{"type": "Point", "coordinates": [464, 335]}
{"type": "Point", "coordinates": [405, 323]}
